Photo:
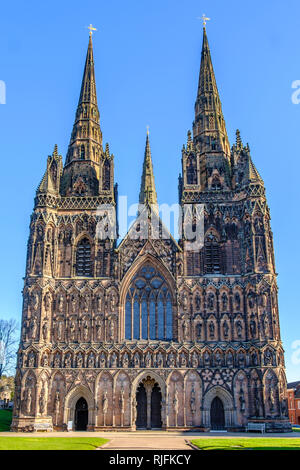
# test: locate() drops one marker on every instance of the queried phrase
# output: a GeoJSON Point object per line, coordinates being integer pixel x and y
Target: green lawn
{"type": "Point", "coordinates": [259, 443]}
{"type": "Point", "coordinates": [50, 443]}
{"type": "Point", "coordinates": [5, 420]}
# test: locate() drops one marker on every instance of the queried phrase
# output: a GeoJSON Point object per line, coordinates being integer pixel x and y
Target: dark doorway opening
{"type": "Point", "coordinates": [81, 415]}
{"type": "Point", "coordinates": [217, 415]}
{"type": "Point", "coordinates": [156, 407]}
{"type": "Point", "coordinates": [141, 407]}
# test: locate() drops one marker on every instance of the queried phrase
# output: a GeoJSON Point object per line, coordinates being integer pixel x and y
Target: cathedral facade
{"type": "Point", "coordinates": [151, 333]}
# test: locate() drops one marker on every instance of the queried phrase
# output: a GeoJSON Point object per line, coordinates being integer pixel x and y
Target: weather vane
{"type": "Point", "coordinates": [204, 19]}
{"type": "Point", "coordinates": [91, 28]}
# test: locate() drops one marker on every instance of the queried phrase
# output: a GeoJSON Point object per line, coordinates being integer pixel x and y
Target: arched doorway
{"type": "Point", "coordinates": [81, 415]}
{"type": "Point", "coordinates": [148, 405]}
{"type": "Point", "coordinates": [217, 415]}
{"type": "Point", "coordinates": [141, 407]}
{"type": "Point", "coordinates": [156, 407]}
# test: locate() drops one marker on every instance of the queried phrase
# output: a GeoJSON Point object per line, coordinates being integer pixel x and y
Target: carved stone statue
{"type": "Point", "coordinates": [224, 302]}
{"type": "Point", "coordinates": [45, 360]}
{"type": "Point", "coordinates": [98, 329]}
{"type": "Point", "coordinates": [229, 359]}
{"type": "Point", "coordinates": [225, 329]}
{"type": "Point", "coordinates": [171, 360]}
{"type": "Point", "coordinates": [91, 360]}
{"type": "Point", "coordinates": [60, 303]}
{"type": "Point", "coordinates": [253, 328]}
{"type": "Point", "coordinates": [111, 330]}
{"type": "Point", "coordinates": [195, 361]}
{"type": "Point", "coordinates": [198, 302]}
{"type": "Point", "coordinates": [211, 329]}
{"type": "Point", "coordinates": [102, 360]}
{"type": "Point", "coordinates": [193, 400]}
{"type": "Point", "coordinates": [199, 330]}
{"type": "Point", "coordinates": [184, 330]}
{"type": "Point", "coordinates": [136, 360]}
{"type": "Point", "coordinates": [148, 360]}
{"type": "Point", "coordinates": [239, 328]}
{"type": "Point", "coordinates": [57, 361]}
{"type": "Point", "coordinates": [242, 401]}
{"type": "Point", "coordinates": [68, 360]}
{"type": "Point", "coordinates": [183, 361]}
{"type": "Point", "coordinates": [33, 328]}
{"type": "Point", "coordinates": [85, 330]}
{"type": "Point", "coordinates": [45, 330]}
{"type": "Point", "coordinates": [28, 400]}
{"type": "Point", "coordinates": [211, 301]}
{"type": "Point", "coordinates": [42, 401]}
{"type": "Point", "coordinates": [56, 404]}
{"type": "Point", "coordinates": [47, 302]}
{"type": "Point", "coordinates": [125, 360]}
{"type": "Point", "coordinates": [79, 361]}
{"type": "Point", "coordinates": [73, 304]}
{"type": "Point", "coordinates": [160, 360]}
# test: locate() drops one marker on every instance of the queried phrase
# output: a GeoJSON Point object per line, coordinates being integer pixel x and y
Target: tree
{"type": "Point", "coordinates": [8, 344]}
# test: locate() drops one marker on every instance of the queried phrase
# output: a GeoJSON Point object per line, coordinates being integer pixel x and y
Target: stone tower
{"type": "Point", "coordinates": [151, 333]}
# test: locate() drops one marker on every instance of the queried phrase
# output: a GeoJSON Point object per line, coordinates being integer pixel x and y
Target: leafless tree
{"type": "Point", "coordinates": [8, 345]}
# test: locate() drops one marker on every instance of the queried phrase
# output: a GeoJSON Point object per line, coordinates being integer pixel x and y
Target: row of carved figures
{"type": "Point", "coordinates": [149, 359]}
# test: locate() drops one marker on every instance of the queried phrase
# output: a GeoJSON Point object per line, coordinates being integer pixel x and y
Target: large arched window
{"type": "Point", "coordinates": [148, 307]}
{"type": "Point", "coordinates": [83, 258]}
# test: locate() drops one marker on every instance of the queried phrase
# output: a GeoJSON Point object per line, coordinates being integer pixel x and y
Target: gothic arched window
{"type": "Point", "coordinates": [82, 152]}
{"type": "Point", "coordinates": [83, 258]}
{"type": "Point", "coordinates": [212, 255]}
{"type": "Point", "coordinates": [106, 176]}
{"type": "Point", "coordinates": [191, 171]}
{"type": "Point", "coordinates": [148, 307]}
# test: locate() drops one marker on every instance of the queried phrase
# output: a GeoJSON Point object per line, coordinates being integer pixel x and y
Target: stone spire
{"type": "Point", "coordinates": [148, 195]}
{"type": "Point", "coordinates": [84, 170]}
{"type": "Point", "coordinates": [209, 126]}
{"type": "Point", "coordinates": [86, 139]}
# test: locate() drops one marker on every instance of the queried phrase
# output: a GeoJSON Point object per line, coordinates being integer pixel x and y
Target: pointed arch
{"type": "Point", "coordinates": [72, 398]}
{"type": "Point", "coordinates": [147, 300]}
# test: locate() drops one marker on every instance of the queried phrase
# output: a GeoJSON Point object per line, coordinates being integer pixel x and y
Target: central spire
{"type": "Point", "coordinates": [209, 125]}
{"type": "Point", "coordinates": [148, 195]}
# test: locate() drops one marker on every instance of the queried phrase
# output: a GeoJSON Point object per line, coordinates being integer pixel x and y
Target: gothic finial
{"type": "Point", "coordinates": [239, 143]}
{"type": "Point", "coordinates": [55, 151]}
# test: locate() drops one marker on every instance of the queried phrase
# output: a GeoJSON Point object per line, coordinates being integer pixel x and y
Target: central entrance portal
{"type": "Point", "coordinates": [148, 405]}
{"type": "Point", "coordinates": [217, 416]}
{"type": "Point", "coordinates": [81, 415]}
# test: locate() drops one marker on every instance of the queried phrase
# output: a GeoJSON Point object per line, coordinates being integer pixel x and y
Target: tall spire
{"type": "Point", "coordinates": [86, 139]}
{"type": "Point", "coordinates": [209, 125]}
{"type": "Point", "coordinates": [148, 195]}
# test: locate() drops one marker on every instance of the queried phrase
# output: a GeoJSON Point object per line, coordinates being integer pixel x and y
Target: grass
{"type": "Point", "coordinates": [259, 443]}
{"type": "Point", "coordinates": [5, 420]}
{"type": "Point", "coordinates": [296, 429]}
{"type": "Point", "coordinates": [51, 443]}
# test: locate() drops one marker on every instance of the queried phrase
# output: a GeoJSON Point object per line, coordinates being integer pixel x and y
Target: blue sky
{"type": "Point", "coordinates": [147, 58]}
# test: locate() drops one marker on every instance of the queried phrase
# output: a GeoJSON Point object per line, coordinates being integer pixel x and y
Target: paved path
{"type": "Point", "coordinates": [146, 443]}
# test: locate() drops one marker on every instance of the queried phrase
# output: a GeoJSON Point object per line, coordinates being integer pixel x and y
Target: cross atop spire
{"type": "Point", "coordinates": [205, 19]}
{"type": "Point", "coordinates": [91, 28]}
